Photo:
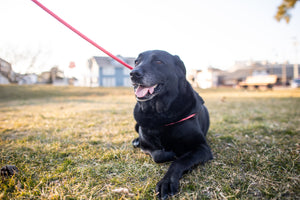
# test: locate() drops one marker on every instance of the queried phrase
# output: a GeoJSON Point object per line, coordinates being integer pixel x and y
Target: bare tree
{"type": "Point", "coordinates": [27, 60]}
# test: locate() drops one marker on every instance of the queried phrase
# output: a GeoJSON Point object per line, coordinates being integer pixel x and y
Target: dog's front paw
{"type": "Point", "coordinates": [136, 143]}
{"type": "Point", "coordinates": [168, 186]}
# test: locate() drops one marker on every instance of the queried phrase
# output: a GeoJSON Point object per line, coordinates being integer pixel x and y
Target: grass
{"type": "Point", "coordinates": [75, 143]}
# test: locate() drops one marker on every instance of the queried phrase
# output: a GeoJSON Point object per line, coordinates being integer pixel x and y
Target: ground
{"type": "Point", "coordinates": [75, 143]}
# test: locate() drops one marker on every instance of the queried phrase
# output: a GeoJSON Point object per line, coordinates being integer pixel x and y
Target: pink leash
{"type": "Point", "coordinates": [81, 35]}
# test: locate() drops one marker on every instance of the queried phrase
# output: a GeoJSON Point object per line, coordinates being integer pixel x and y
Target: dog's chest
{"type": "Point", "coordinates": [150, 139]}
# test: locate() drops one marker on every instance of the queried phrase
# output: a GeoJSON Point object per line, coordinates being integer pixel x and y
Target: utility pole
{"type": "Point", "coordinates": [296, 71]}
{"type": "Point", "coordinates": [283, 78]}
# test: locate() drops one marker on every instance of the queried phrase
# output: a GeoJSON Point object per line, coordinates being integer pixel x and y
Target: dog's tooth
{"type": "Point", "coordinates": [151, 90]}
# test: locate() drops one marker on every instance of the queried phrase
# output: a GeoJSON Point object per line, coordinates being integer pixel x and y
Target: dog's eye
{"type": "Point", "coordinates": [159, 62]}
{"type": "Point", "coordinates": [136, 62]}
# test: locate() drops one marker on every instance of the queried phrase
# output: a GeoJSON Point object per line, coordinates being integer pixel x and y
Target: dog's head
{"type": "Point", "coordinates": [156, 73]}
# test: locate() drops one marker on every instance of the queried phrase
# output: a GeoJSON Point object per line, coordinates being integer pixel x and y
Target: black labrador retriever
{"type": "Point", "coordinates": [172, 121]}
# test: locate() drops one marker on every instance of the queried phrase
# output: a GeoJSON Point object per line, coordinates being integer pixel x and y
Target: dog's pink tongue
{"type": "Point", "coordinates": [143, 91]}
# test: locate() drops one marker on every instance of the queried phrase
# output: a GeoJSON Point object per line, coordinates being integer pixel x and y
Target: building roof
{"type": "Point", "coordinates": [4, 61]}
{"type": "Point", "coordinates": [108, 61]}
{"type": "Point", "coordinates": [6, 70]}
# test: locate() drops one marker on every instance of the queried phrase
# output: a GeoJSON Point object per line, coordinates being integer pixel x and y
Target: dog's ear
{"type": "Point", "coordinates": [180, 64]}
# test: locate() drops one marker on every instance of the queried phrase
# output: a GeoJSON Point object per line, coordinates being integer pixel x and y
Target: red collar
{"type": "Point", "coordinates": [186, 118]}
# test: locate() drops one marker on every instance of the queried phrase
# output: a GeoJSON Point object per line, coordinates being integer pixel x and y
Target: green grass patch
{"type": "Point", "coordinates": [75, 143]}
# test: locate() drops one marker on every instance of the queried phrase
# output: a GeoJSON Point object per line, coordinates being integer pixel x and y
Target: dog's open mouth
{"type": "Point", "coordinates": [145, 93]}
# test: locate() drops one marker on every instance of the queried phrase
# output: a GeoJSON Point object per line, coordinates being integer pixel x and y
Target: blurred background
{"type": "Point", "coordinates": [222, 43]}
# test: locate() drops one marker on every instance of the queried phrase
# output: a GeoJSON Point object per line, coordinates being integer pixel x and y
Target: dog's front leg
{"type": "Point", "coordinates": [169, 185]}
{"type": "Point", "coordinates": [161, 156]}
{"type": "Point", "coordinates": [136, 142]}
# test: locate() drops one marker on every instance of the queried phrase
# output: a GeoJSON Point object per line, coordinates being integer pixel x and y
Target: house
{"type": "Point", "coordinates": [106, 72]}
{"type": "Point", "coordinates": [208, 78]}
{"type": "Point", "coordinates": [7, 75]}
{"type": "Point", "coordinates": [27, 79]}
{"type": "Point", "coordinates": [285, 72]}
{"type": "Point", "coordinates": [55, 76]}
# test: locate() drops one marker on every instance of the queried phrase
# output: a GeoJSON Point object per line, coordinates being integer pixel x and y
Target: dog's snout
{"type": "Point", "coordinates": [136, 73]}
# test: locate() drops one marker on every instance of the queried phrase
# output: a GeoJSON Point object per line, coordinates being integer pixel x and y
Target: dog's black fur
{"type": "Point", "coordinates": [173, 99]}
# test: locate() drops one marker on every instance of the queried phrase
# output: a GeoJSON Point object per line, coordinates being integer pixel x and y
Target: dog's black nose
{"type": "Point", "coordinates": [136, 73]}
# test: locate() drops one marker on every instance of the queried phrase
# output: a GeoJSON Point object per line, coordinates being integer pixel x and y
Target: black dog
{"type": "Point", "coordinates": [172, 121]}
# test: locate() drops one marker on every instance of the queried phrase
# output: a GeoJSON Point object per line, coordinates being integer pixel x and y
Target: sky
{"type": "Point", "coordinates": [202, 33]}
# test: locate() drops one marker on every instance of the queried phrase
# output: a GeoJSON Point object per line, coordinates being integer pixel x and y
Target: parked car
{"type": "Point", "coordinates": [295, 83]}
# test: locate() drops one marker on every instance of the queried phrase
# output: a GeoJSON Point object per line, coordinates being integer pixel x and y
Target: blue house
{"type": "Point", "coordinates": [106, 72]}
